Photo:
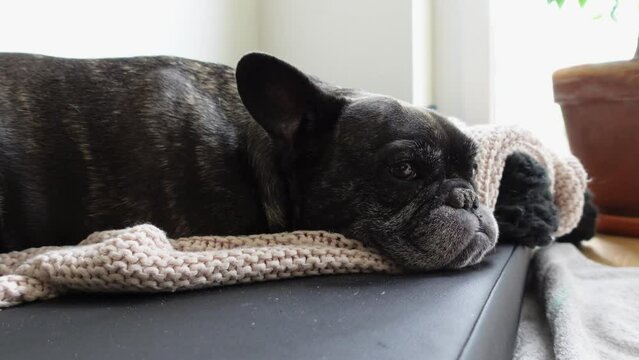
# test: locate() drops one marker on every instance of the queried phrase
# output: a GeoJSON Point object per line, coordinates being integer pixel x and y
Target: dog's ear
{"type": "Point", "coordinates": [282, 99]}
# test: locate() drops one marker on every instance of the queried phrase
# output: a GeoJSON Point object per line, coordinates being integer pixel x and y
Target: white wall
{"type": "Point", "coordinates": [422, 52]}
{"type": "Point", "coordinates": [357, 43]}
{"type": "Point", "coordinates": [462, 59]}
{"type": "Point", "coordinates": [210, 30]}
{"type": "Point", "coordinates": [354, 43]}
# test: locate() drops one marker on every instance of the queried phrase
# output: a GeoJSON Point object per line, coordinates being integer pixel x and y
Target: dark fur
{"type": "Point", "coordinates": [525, 210]}
{"type": "Point", "coordinates": [96, 144]}
{"type": "Point", "coordinates": [587, 224]}
{"type": "Point", "coordinates": [198, 148]}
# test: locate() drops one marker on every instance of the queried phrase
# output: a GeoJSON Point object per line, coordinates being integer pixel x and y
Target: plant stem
{"type": "Point", "coordinates": [613, 12]}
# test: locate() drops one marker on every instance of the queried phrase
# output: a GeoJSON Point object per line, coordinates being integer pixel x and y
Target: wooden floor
{"type": "Point", "coordinates": [612, 250]}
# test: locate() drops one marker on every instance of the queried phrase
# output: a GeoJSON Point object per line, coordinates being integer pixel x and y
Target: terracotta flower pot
{"type": "Point", "coordinates": [600, 105]}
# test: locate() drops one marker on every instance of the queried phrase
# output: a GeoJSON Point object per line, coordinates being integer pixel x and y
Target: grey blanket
{"type": "Point", "coordinates": [575, 308]}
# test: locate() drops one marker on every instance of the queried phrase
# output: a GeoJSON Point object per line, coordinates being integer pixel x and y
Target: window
{"type": "Point", "coordinates": [531, 39]}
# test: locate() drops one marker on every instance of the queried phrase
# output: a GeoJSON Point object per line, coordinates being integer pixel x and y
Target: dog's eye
{"type": "Point", "coordinates": [475, 167]}
{"type": "Point", "coordinates": [403, 170]}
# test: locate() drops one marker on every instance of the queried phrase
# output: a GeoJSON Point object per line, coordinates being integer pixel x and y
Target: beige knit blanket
{"type": "Point", "coordinates": [142, 258]}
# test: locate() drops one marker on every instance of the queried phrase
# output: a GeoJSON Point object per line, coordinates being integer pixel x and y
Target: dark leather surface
{"type": "Point", "coordinates": [468, 314]}
{"type": "Point", "coordinates": [500, 317]}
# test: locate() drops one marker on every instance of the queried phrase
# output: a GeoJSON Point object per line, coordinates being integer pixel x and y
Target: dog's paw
{"type": "Point", "coordinates": [525, 211]}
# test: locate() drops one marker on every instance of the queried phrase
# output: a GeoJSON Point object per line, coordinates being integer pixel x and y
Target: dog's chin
{"type": "Point", "coordinates": [446, 238]}
{"type": "Point", "coordinates": [479, 245]}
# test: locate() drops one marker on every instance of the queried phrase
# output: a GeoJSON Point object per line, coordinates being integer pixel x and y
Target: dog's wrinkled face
{"type": "Point", "coordinates": [401, 178]}
{"type": "Point", "coordinates": [371, 167]}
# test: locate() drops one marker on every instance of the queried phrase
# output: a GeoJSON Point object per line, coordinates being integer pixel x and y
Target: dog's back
{"type": "Point", "coordinates": [87, 145]}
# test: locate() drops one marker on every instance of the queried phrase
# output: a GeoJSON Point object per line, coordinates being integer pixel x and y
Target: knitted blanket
{"type": "Point", "coordinates": [567, 176]}
{"type": "Point", "coordinates": [142, 258]}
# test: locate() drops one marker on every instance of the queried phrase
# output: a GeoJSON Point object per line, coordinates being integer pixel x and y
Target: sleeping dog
{"type": "Point", "coordinates": [199, 148]}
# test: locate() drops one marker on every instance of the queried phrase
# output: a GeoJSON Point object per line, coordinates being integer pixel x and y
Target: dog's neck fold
{"type": "Point", "coordinates": [272, 187]}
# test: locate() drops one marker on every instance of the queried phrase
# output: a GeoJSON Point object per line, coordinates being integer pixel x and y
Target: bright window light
{"type": "Point", "coordinates": [532, 39]}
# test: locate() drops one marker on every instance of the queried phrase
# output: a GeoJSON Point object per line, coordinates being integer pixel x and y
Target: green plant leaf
{"type": "Point", "coordinates": [550, 1]}
{"type": "Point", "coordinates": [560, 3]}
{"type": "Point", "coordinates": [582, 3]}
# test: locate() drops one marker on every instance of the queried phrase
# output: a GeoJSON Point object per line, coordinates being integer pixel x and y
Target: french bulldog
{"type": "Point", "coordinates": [200, 148]}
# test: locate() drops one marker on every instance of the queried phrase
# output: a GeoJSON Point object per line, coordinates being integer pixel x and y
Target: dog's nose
{"type": "Point", "coordinates": [462, 198]}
